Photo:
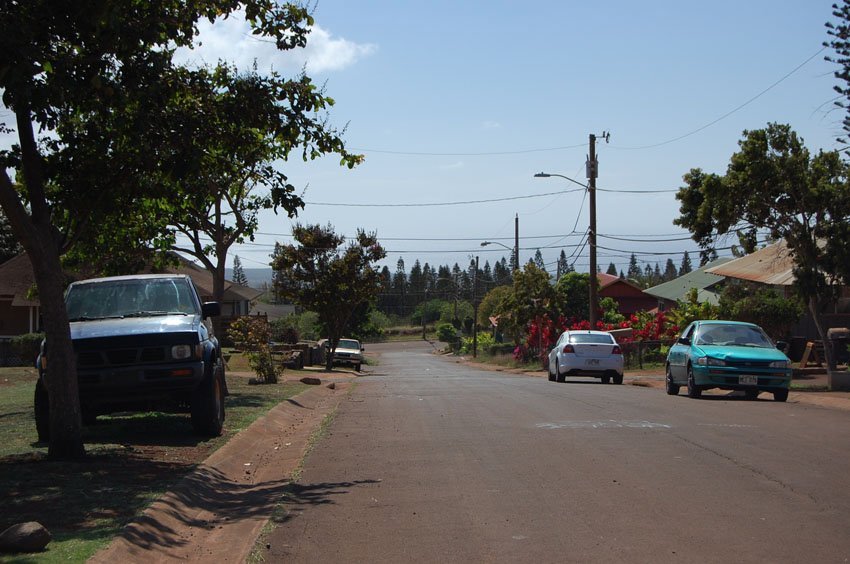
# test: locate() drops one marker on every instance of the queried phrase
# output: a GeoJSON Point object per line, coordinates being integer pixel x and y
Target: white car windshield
{"type": "Point", "coordinates": [348, 344]}
{"type": "Point", "coordinates": [592, 338]}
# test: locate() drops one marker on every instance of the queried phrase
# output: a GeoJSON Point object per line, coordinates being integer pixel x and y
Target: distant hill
{"type": "Point", "coordinates": [256, 276]}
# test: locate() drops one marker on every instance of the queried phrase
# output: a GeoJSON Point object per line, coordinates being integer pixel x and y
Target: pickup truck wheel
{"type": "Point", "coordinates": [42, 413]}
{"type": "Point", "coordinates": [357, 368]}
{"type": "Point", "coordinates": [208, 404]}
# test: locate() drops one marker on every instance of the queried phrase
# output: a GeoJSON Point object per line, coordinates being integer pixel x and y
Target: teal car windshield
{"type": "Point", "coordinates": [733, 335]}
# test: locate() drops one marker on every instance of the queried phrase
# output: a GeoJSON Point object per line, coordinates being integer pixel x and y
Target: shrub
{"type": "Point", "coordinates": [27, 346]}
{"type": "Point", "coordinates": [446, 333]}
{"type": "Point", "coordinates": [252, 335]}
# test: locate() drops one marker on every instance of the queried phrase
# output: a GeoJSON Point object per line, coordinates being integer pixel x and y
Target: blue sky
{"type": "Point", "coordinates": [459, 101]}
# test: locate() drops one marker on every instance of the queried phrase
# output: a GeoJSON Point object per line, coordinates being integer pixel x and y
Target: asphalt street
{"type": "Point", "coordinates": [429, 460]}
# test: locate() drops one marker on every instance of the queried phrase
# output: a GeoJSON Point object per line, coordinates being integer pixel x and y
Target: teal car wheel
{"type": "Point", "coordinates": [672, 387]}
{"type": "Point", "coordinates": [780, 395]}
{"type": "Point", "coordinates": [694, 391]}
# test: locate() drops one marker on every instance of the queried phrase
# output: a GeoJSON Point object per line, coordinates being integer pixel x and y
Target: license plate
{"type": "Point", "coordinates": [592, 362]}
{"type": "Point", "coordinates": [748, 380]}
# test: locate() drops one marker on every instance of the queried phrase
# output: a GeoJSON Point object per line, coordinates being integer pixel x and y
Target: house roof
{"type": "Point", "coordinates": [770, 265]}
{"type": "Point", "coordinates": [700, 279]}
{"type": "Point", "coordinates": [606, 280]}
{"type": "Point", "coordinates": [16, 279]}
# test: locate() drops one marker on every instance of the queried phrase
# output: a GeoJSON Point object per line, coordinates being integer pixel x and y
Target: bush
{"type": "Point", "coordinates": [27, 346]}
{"type": "Point", "coordinates": [252, 335]}
{"type": "Point", "coordinates": [485, 341]}
{"type": "Point", "coordinates": [446, 333]}
{"type": "Point", "coordinates": [285, 330]}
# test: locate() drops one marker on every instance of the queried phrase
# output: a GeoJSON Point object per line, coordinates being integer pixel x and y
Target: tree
{"type": "Point", "coordinates": [633, 273]}
{"type": "Point", "coordinates": [612, 269]}
{"type": "Point", "coordinates": [239, 277]}
{"type": "Point", "coordinates": [399, 287]}
{"type": "Point", "coordinates": [96, 77]}
{"type": "Point", "coordinates": [761, 305]}
{"type": "Point", "coordinates": [563, 265]}
{"type": "Point", "coordinates": [840, 43]}
{"type": "Point", "coordinates": [538, 260]}
{"type": "Point", "coordinates": [773, 183]}
{"type": "Point", "coordinates": [573, 293]}
{"type": "Point", "coordinates": [9, 246]}
{"type": "Point", "coordinates": [236, 128]}
{"type": "Point", "coordinates": [532, 297]}
{"type": "Point", "coordinates": [686, 266]}
{"type": "Point", "coordinates": [328, 280]}
{"type": "Point", "coordinates": [670, 272]}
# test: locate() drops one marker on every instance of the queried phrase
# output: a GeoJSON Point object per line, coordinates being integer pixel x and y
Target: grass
{"type": "Point", "coordinates": [132, 460]}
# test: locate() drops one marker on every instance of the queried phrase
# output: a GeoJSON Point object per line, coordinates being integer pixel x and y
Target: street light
{"type": "Point", "coordinates": [514, 251]}
{"type": "Point", "coordinates": [591, 239]}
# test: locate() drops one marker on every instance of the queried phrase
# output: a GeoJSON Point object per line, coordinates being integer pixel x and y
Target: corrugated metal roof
{"type": "Point", "coordinates": [700, 279]}
{"type": "Point", "coordinates": [771, 265]}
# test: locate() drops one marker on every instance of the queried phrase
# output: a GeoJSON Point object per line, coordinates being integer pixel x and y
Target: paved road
{"type": "Point", "coordinates": [434, 461]}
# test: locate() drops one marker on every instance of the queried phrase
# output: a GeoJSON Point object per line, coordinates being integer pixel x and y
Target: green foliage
{"type": "Point", "coordinates": [485, 341]}
{"type": "Point", "coordinates": [446, 333]}
{"type": "Point", "coordinates": [573, 296]}
{"type": "Point", "coordinates": [490, 304]}
{"type": "Point", "coordinates": [532, 296]}
{"type": "Point", "coordinates": [610, 311]}
{"type": "Point", "coordinates": [760, 305]}
{"type": "Point", "coordinates": [690, 309]}
{"type": "Point", "coordinates": [285, 330]}
{"type": "Point", "coordinates": [27, 346]}
{"type": "Point", "coordinates": [432, 310]}
{"type": "Point", "coordinates": [455, 312]}
{"type": "Point", "coordinates": [9, 245]}
{"type": "Point", "coordinates": [320, 276]}
{"type": "Point", "coordinates": [239, 277]}
{"type": "Point", "coordinates": [252, 335]}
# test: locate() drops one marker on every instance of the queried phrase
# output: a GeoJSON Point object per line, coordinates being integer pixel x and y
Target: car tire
{"type": "Point", "coordinates": [208, 404]}
{"type": "Point", "coordinates": [694, 391]}
{"type": "Point", "coordinates": [41, 407]}
{"type": "Point", "coordinates": [549, 373]}
{"type": "Point", "coordinates": [558, 376]}
{"type": "Point", "coordinates": [672, 388]}
{"type": "Point", "coordinates": [357, 368]}
{"type": "Point", "coordinates": [780, 395]}
{"type": "Point", "coordinates": [751, 394]}
{"type": "Point", "coordinates": [606, 378]}
{"type": "Point", "coordinates": [618, 379]}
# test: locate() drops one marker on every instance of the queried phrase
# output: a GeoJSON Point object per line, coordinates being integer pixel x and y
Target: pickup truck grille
{"type": "Point", "coordinates": [121, 357]}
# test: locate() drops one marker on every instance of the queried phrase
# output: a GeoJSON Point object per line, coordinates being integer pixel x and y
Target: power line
{"type": "Point", "coordinates": [478, 154]}
{"type": "Point", "coordinates": [433, 204]}
{"type": "Point", "coordinates": [727, 114]}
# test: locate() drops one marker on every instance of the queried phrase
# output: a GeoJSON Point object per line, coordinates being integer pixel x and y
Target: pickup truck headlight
{"type": "Point", "coordinates": [709, 361]}
{"type": "Point", "coordinates": [181, 352]}
{"type": "Point", "coordinates": [780, 364]}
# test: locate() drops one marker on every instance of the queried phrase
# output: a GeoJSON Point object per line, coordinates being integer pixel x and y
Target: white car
{"type": "Point", "coordinates": [350, 352]}
{"type": "Point", "coordinates": [586, 353]}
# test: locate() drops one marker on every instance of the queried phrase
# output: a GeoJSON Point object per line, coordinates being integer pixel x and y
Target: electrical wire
{"type": "Point", "coordinates": [433, 204]}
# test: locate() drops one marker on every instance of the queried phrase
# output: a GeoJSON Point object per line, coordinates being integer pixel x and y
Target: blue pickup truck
{"type": "Point", "coordinates": [142, 343]}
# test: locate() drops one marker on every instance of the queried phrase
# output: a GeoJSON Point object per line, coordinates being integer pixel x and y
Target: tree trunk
{"type": "Point", "coordinates": [65, 419]}
{"type": "Point", "coordinates": [814, 309]}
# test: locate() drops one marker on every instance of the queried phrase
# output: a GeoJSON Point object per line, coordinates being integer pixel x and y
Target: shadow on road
{"type": "Point", "coordinates": [300, 495]}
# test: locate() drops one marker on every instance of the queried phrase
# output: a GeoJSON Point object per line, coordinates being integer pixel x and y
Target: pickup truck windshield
{"type": "Point", "coordinates": [126, 298]}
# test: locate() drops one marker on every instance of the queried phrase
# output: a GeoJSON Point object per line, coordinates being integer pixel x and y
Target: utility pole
{"type": "Point", "coordinates": [592, 171]}
{"type": "Point", "coordinates": [475, 309]}
{"type": "Point", "coordinates": [516, 242]}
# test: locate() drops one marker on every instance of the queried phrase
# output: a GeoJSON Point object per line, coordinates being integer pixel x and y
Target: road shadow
{"type": "Point", "coordinates": [299, 495]}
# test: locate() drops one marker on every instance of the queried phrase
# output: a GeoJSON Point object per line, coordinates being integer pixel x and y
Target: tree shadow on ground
{"type": "Point", "coordinates": [299, 495]}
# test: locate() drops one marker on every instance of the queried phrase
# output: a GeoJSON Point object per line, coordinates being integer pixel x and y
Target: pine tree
{"type": "Point", "coordinates": [563, 265]}
{"type": "Point", "coordinates": [634, 270]}
{"type": "Point", "coordinates": [670, 271]}
{"type": "Point", "coordinates": [686, 264]}
{"type": "Point", "coordinates": [538, 260]}
{"type": "Point", "coordinates": [612, 269]}
{"type": "Point", "coordinates": [239, 277]}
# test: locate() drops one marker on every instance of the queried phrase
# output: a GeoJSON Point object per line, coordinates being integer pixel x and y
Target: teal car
{"type": "Point", "coordinates": [729, 355]}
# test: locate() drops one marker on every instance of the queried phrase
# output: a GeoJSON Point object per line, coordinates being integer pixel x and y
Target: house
{"type": "Point", "coordinates": [630, 297]}
{"type": "Point", "coordinates": [707, 284]}
{"type": "Point", "coordinates": [19, 310]}
{"type": "Point", "coordinates": [773, 265]}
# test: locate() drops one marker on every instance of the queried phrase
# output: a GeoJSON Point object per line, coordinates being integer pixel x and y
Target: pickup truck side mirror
{"type": "Point", "coordinates": [211, 309]}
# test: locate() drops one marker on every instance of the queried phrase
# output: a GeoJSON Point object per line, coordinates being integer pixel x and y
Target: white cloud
{"type": "Point", "coordinates": [452, 166]}
{"type": "Point", "coordinates": [491, 125]}
{"type": "Point", "coordinates": [231, 40]}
